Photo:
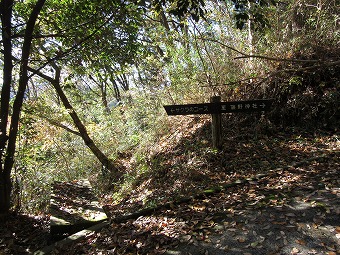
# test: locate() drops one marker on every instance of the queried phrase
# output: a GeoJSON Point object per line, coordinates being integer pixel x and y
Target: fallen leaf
{"type": "Point", "coordinates": [294, 251]}
{"type": "Point", "coordinates": [331, 248]}
{"type": "Point", "coordinates": [262, 238]}
{"type": "Point", "coordinates": [226, 247]}
{"type": "Point", "coordinates": [207, 240]}
{"type": "Point", "coordinates": [185, 238]}
{"type": "Point", "coordinates": [285, 242]}
{"type": "Point", "coordinates": [279, 223]}
{"type": "Point", "coordinates": [301, 242]}
{"type": "Point", "coordinates": [266, 227]}
{"type": "Point", "coordinates": [241, 239]}
{"type": "Point", "coordinates": [315, 226]}
{"type": "Point", "coordinates": [254, 244]}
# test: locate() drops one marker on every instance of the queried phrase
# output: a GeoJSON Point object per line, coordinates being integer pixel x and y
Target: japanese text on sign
{"type": "Point", "coordinates": [215, 108]}
{"type": "Point", "coordinates": [245, 106]}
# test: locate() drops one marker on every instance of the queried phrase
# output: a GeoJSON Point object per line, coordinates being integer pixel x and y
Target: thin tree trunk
{"type": "Point", "coordinates": [106, 162]}
{"type": "Point", "coordinates": [83, 132]}
{"type": "Point", "coordinates": [5, 180]}
{"type": "Point", "coordinates": [6, 166]}
{"type": "Point", "coordinates": [250, 38]}
{"type": "Point", "coordinates": [6, 15]}
{"type": "Point", "coordinates": [103, 92]}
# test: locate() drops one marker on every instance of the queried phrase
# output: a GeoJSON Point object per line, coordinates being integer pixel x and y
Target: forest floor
{"type": "Point", "coordinates": [273, 192]}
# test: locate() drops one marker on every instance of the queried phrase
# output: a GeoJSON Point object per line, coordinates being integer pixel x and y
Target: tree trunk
{"type": "Point", "coordinates": [250, 39]}
{"type": "Point", "coordinates": [103, 91]}
{"type": "Point", "coordinates": [83, 132]}
{"type": "Point", "coordinates": [5, 180]}
{"type": "Point", "coordinates": [7, 164]}
{"type": "Point", "coordinates": [106, 162]}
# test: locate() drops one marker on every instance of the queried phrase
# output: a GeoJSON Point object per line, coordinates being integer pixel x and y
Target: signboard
{"type": "Point", "coordinates": [220, 107]}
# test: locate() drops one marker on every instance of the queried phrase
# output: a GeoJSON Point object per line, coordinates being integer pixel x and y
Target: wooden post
{"type": "Point", "coordinates": [216, 125]}
{"type": "Point", "coordinates": [216, 108]}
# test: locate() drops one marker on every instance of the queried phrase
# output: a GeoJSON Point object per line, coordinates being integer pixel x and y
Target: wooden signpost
{"type": "Point", "coordinates": [216, 108]}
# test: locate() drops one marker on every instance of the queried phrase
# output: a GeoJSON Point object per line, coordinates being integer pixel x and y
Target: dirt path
{"type": "Point", "coordinates": [295, 210]}
{"type": "Point", "coordinates": [309, 224]}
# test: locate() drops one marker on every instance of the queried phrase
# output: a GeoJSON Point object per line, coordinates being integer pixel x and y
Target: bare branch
{"type": "Point", "coordinates": [279, 59]}
{"type": "Point", "coordinates": [288, 70]}
{"type": "Point", "coordinates": [58, 124]}
{"type": "Point", "coordinates": [222, 44]}
{"type": "Point", "coordinates": [245, 55]}
{"type": "Point", "coordinates": [302, 69]}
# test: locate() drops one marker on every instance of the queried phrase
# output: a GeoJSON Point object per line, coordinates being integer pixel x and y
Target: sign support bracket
{"type": "Point", "coordinates": [216, 125]}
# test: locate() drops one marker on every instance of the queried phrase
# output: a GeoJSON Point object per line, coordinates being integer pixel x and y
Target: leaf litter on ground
{"type": "Point", "coordinates": [293, 208]}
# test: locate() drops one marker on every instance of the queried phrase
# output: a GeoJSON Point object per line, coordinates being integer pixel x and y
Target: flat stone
{"type": "Point", "coordinates": [77, 237]}
{"type": "Point", "coordinates": [73, 207]}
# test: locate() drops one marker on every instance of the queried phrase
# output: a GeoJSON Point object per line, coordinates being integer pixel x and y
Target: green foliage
{"type": "Point", "coordinates": [254, 10]}
{"type": "Point", "coordinates": [45, 154]}
{"type": "Point", "coordinates": [183, 8]}
{"type": "Point", "coordinates": [295, 81]}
